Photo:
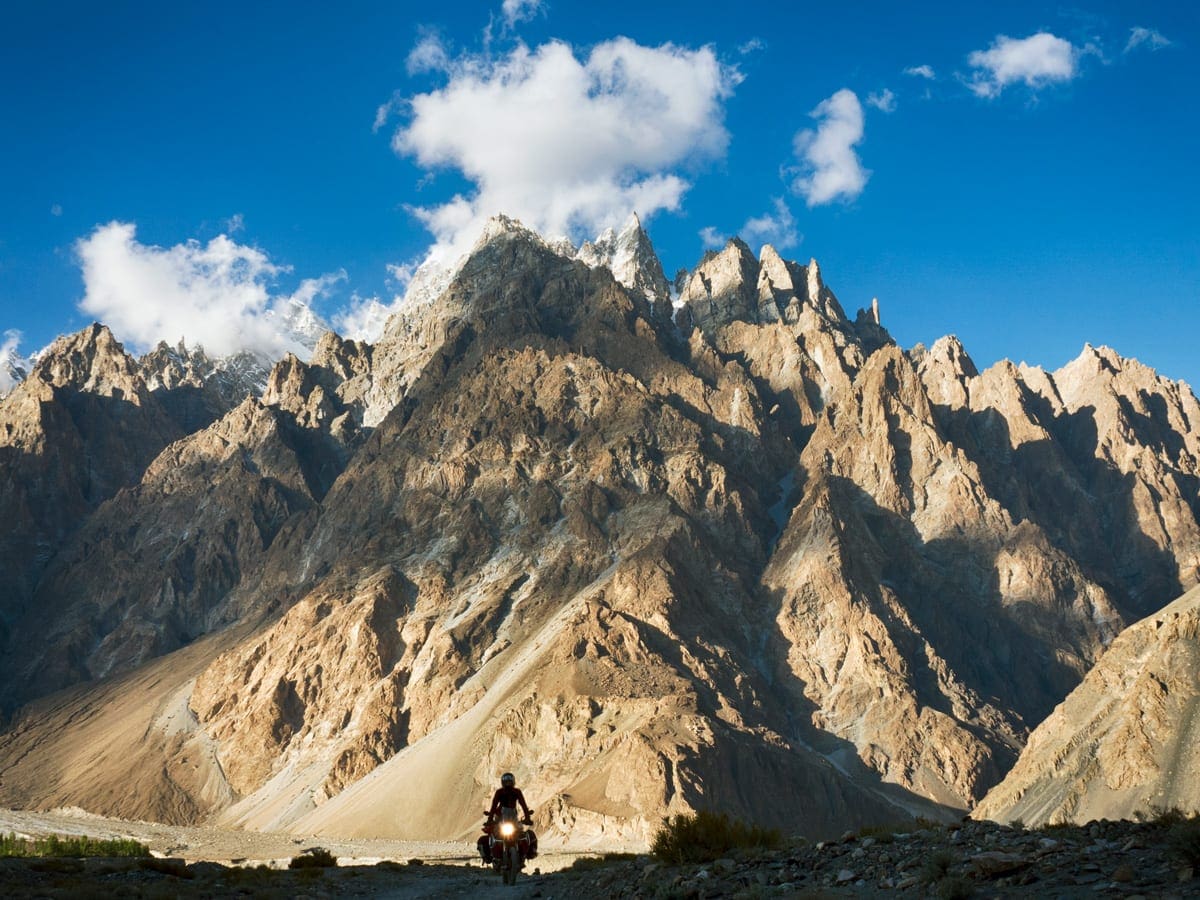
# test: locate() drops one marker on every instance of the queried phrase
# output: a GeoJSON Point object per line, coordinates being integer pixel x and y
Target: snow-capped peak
{"type": "Point", "coordinates": [630, 256]}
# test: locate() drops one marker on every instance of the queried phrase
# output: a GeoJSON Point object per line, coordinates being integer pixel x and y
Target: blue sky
{"type": "Point", "coordinates": [1034, 194]}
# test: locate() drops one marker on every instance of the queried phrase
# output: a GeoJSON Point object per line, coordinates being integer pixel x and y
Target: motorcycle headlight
{"type": "Point", "coordinates": [508, 829]}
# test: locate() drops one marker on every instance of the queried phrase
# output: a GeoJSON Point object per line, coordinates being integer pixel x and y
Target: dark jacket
{"type": "Point", "coordinates": [508, 797]}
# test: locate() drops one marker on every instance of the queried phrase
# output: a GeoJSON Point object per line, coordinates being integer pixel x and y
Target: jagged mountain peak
{"type": "Point", "coordinates": [723, 288]}
{"type": "Point", "coordinates": [776, 268]}
{"type": "Point", "coordinates": [949, 350]}
{"type": "Point", "coordinates": [499, 226]}
{"type": "Point", "coordinates": [166, 367]}
{"type": "Point", "coordinates": [945, 369]}
{"type": "Point", "coordinates": [630, 256]}
{"type": "Point", "coordinates": [92, 360]}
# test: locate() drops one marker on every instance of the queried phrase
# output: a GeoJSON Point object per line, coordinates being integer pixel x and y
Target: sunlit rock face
{"type": "Point", "coordinates": [652, 554]}
{"type": "Point", "coordinates": [1125, 741]}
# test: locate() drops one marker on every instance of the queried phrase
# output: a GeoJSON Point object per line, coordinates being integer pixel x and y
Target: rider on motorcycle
{"type": "Point", "coordinates": [506, 797]}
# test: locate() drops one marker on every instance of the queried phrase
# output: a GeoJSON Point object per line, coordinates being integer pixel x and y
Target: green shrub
{"type": "Point", "coordinates": [587, 863]}
{"type": "Point", "coordinates": [313, 858]}
{"type": "Point", "coordinates": [1162, 816]}
{"type": "Point", "coordinates": [706, 836]}
{"type": "Point", "coordinates": [937, 866]}
{"type": "Point", "coordinates": [1058, 827]}
{"type": "Point", "coordinates": [80, 846]}
{"type": "Point", "coordinates": [249, 874]}
{"type": "Point", "coordinates": [1184, 842]}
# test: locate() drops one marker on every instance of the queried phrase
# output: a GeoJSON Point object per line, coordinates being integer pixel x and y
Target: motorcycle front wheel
{"type": "Point", "coordinates": [512, 864]}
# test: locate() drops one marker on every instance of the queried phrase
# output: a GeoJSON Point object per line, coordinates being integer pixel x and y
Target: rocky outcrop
{"type": "Point", "coordinates": [158, 565]}
{"type": "Point", "coordinates": [957, 860]}
{"type": "Point", "coordinates": [80, 428]}
{"type": "Point", "coordinates": [909, 596]}
{"type": "Point", "coordinates": [1125, 741]}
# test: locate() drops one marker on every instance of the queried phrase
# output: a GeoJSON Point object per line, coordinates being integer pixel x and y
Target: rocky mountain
{"type": "Point", "coordinates": [738, 551]}
{"type": "Point", "coordinates": [80, 428]}
{"type": "Point", "coordinates": [1126, 740]}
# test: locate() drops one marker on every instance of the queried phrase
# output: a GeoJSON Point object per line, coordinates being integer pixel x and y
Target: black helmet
{"type": "Point", "coordinates": [508, 779]}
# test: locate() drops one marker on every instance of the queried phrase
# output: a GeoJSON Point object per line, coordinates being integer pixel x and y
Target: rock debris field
{"type": "Point", "coordinates": [976, 859]}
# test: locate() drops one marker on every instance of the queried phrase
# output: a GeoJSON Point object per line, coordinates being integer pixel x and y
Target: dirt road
{"type": "Point", "coordinates": [400, 870]}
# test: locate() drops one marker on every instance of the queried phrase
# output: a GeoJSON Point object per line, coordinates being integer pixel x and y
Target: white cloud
{"type": "Point", "coordinates": [829, 166]}
{"type": "Point", "coordinates": [402, 273]}
{"type": "Point", "coordinates": [56, 210]}
{"type": "Point", "coordinates": [1146, 37]}
{"type": "Point", "coordinates": [429, 55]}
{"type": "Point", "coordinates": [235, 223]}
{"type": "Point", "coordinates": [711, 238]}
{"type": "Point", "coordinates": [569, 146]}
{"type": "Point", "coordinates": [922, 71]}
{"type": "Point", "coordinates": [752, 46]}
{"type": "Point", "coordinates": [311, 289]}
{"type": "Point", "coordinates": [1036, 60]}
{"type": "Point", "coordinates": [213, 294]}
{"type": "Point", "coordinates": [515, 11]}
{"type": "Point", "coordinates": [364, 318]}
{"type": "Point", "coordinates": [777, 228]}
{"type": "Point", "coordinates": [884, 101]}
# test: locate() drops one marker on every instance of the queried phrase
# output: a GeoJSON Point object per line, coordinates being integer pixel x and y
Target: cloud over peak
{"type": "Point", "coordinates": [215, 294]}
{"type": "Point", "coordinates": [568, 145]}
{"type": "Point", "coordinates": [829, 166]}
{"type": "Point", "coordinates": [1037, 60]}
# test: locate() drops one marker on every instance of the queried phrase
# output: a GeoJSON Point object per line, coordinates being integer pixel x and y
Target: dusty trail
{"type": "Point", "coordinates": [226, 845]}
{"type": "Point", "coordinates": [445, 869]}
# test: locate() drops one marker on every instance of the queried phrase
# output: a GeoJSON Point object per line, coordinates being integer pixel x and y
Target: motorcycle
{"type": "Point", "coordinates": [509, 842]}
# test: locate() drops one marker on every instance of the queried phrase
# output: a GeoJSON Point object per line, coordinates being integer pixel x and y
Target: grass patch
{"type": "Point", "coordinates": [706, 836]}
{"type": "Point", "coordinates": [883, 834]}
{"type": "Point", "coordinates": [168, 867]}
{"type": "Point", "coordinates": [58, 846]}
{"type": "Point", "coordinates": [313, 858]}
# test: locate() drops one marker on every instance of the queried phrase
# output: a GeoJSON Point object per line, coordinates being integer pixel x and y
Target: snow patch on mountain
{"type": "Point", "coordinates": [14, 368]}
